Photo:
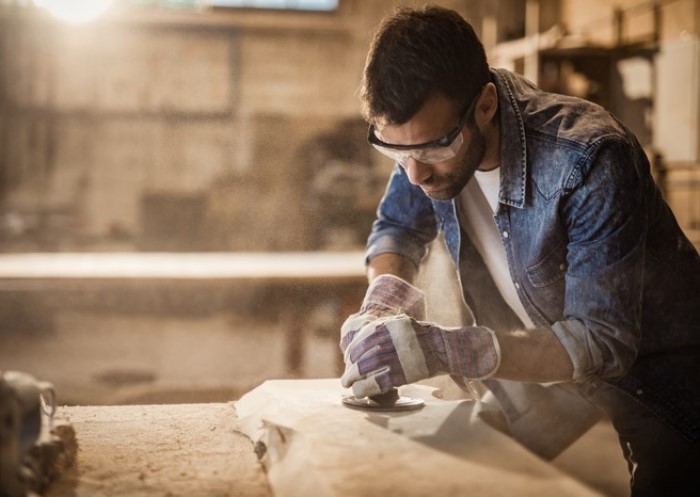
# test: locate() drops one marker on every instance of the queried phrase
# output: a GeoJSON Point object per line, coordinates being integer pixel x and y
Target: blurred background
{"type": "Point", "coordinates": [151, 129]}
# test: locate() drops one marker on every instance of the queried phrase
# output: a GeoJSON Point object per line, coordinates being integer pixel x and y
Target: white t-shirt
{"type": "Point", "coordinates": [478, 202]}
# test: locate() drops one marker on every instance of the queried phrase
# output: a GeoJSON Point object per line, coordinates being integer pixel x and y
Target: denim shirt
{"type": "Point", "coordinates": [594, 252]}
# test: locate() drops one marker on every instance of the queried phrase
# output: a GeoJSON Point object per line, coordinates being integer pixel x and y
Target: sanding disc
{"type": "Point", "coordinates": [365, 403]}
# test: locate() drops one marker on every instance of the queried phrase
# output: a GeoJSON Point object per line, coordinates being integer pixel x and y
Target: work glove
{"type": "Point", "coordinates": [393, 351]}
{"type": "Point", "coordinates": [387, 295]}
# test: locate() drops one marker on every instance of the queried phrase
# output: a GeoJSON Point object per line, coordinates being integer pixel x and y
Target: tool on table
{"type": "Point", "coordinates": [26, 405]}
{"type": "Point", "coordinates": [390, 401]}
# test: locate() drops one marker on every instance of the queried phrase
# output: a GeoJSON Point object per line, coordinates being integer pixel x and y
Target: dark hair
{"type": "Point", "coordinates": [417, 54]}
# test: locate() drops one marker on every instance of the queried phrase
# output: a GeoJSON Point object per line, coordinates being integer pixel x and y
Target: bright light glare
{"type": "Point", "coordinates": [75, 11]}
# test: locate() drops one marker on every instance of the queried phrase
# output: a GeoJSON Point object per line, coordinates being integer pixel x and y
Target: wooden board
{"type": "Point", "coordinates": [313, 445]}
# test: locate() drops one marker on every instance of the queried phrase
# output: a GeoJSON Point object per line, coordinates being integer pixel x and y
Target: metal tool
{"type": "Point", "coordinates": [25, 405]}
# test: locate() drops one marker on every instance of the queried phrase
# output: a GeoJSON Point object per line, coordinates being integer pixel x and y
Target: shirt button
{"type": "Point", "coordinates": [517, 285]}
{"type": "Point", "coordinates": [505, 234]}
{"type": "Point", "coordinates": [640, 391]}
{"type": "Point", "coordinates": [562, 267]}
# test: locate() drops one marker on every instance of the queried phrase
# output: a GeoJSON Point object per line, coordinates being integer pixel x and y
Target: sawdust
{"type": "Point", "coordinates": [169, 450]}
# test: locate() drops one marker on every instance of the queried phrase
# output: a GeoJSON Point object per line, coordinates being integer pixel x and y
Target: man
{"type": "Point", "coordinates": [572, 263]}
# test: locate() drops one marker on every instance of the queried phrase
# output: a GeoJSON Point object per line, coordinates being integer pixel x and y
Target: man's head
{"type": "Point", "coordinates": [417, 54]}
{"type": "Point", "coordinates": [429, 101]}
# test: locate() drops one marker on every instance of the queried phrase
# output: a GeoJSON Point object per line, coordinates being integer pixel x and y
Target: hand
{"type": "Point", "coordinates": [394, 351]}
{"type": "Point", "coordinates": [387, 295]}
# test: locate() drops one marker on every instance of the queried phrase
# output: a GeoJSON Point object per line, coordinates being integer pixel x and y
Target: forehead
{"type": "Point", "coordinates": [435, 119]}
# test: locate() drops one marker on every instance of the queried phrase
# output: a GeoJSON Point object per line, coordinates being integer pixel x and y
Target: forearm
{"type": "Point", "coordinates": [535, 355]}
{"type": "Point", "coordinates": [391, 263]}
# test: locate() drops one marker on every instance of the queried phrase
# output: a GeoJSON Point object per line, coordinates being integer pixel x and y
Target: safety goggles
{"type": "Point", "coordinates": [431, 152]}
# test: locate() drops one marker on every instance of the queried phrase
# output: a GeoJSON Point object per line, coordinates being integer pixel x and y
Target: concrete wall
{"type": "Point", "coordinates": [208, 131]}
{"type": "Point", "coordinates": [159, 120]}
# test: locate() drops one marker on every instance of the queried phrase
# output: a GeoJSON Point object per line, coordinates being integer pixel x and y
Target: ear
{"type": "Point", "coordinates": [486, 106]}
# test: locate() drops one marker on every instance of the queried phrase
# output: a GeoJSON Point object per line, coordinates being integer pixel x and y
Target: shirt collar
{"type": "Point", "coordinates": [513, 148]}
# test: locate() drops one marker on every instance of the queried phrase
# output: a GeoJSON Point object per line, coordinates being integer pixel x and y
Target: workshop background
{"type": "Point", "coordinates": [233, 126]}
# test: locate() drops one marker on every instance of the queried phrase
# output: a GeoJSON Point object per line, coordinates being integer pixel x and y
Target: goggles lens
{"type": "Point", "coordinates": [431, 155]}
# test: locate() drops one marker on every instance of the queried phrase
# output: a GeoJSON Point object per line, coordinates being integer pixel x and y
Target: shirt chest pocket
{"type": "Point", "coordinates": [546, 279]}
{"type": "Point", "coordinates": [548, 270]}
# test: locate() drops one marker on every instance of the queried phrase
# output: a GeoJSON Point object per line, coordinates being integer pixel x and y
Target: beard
{"type": "Point", "coordinates": [455, 182]}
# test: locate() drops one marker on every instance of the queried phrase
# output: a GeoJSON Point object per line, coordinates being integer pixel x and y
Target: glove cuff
{"type": "Point", "coordinates": [471, 352]}
{"type": "Point", "coordinates": [391, 295]}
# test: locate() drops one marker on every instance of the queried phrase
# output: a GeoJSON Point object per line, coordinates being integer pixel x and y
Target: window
{"type": "Point", "coordinates": [316, 5]}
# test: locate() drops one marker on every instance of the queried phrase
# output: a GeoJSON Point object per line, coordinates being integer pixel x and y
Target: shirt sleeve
{"type": "Point", "coordinates": [405, 221]}
{"type": "Point", "coordinates": [605, 215]}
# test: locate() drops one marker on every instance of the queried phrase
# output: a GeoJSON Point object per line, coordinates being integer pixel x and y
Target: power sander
{"type": "Point", "coordinates": [390, 401]}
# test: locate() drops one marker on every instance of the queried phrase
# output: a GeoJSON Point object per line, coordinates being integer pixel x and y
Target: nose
{"type": "Point", "coordinates": [418, 172]}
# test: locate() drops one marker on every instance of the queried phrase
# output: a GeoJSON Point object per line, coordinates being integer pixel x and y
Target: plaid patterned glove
{"type": "Point", "coordinates": [387, 295]}
{"type": "Point", "coordinates": [398, 350]}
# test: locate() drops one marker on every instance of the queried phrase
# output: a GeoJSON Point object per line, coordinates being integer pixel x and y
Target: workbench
{"type": "Point", "coordinates": [275, 267]}
{"type": "Point", "coordinates": [205, 282]}
{"type": "Point", "coordinates": [310, 445]}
